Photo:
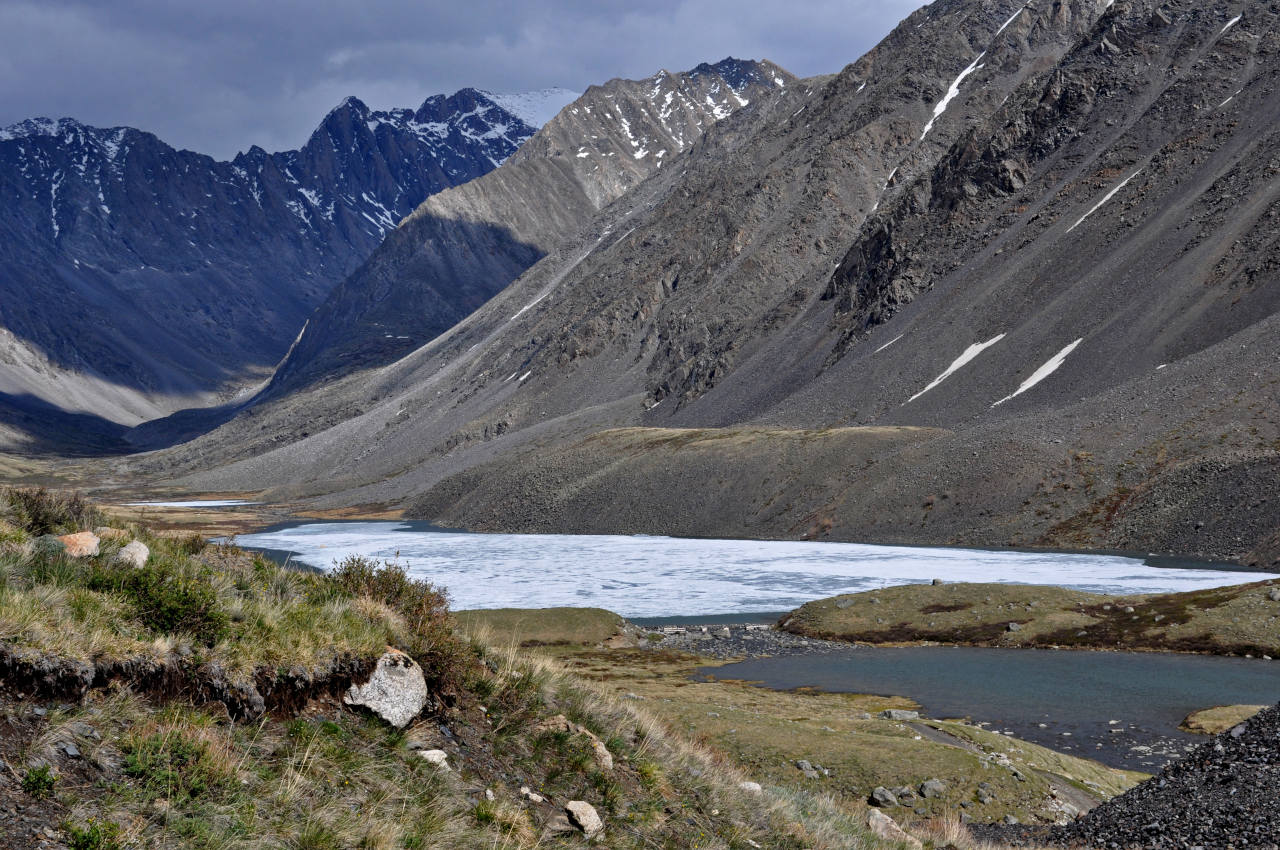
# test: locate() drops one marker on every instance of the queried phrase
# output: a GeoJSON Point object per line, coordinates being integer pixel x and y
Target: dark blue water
{"type": "Point", "coordinates": [1062, 699]}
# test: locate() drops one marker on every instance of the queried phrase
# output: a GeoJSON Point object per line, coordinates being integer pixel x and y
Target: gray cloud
{"type": "Point", "coordinates": [218, 77]}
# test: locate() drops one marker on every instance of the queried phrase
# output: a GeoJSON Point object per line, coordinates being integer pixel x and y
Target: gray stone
{"type": "Point", "coordinates": [807, 769]}
{"type": "Point", "coordinates": [531, 795]}
{"type": "Point", "coordinates": [1014, 627]}
{"type": "Point", "coordinates": [899, 714]}
{"type": "Point", "coordinates": [933, 788]}
{"type": "Point", "coordinates": [583, 815]}
{"type": "Point", "coordinates": [881, 796]}
{"type": "Point", "coordinates": [396, 692]}
{"type": "Point", "coordinates": [437, 757]}
{"type": "Point", "coordinates": [751, 787]}
{"type": "Point", "coordinates": [885, 827]}
{"type": "Point", "coordinates": [135, 554]}
{"type": "Point", "coordinates": [1274, 594]}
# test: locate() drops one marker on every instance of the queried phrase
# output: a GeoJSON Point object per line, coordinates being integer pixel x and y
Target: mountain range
{"type": "Point", "coordinates": [1007, 279]}
{"type": "Point", "coordinates": [136, 279]}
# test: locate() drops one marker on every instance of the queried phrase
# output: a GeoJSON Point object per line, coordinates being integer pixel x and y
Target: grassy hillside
{"type": "Point", "coordinates": [540, 626]}
{"type": "Point", "coordinates": [196, 700]}
{"type": "Point", "coordinates": [1239, 620]}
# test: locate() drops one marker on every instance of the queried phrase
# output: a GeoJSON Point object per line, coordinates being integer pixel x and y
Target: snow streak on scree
{"type": "Point", "coordinates": [657, 576]}
{"type": "Point", "coordinates": [969, 353]}
{"type": "Point", "coordinates": [1043, 372]}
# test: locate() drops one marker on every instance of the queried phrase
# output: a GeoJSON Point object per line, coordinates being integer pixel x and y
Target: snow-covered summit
{"type": "Point", "coordinates": [534, 108]}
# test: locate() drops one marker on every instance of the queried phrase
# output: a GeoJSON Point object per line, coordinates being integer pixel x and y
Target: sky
{"type": "Point", "coordinates": [217, 76]}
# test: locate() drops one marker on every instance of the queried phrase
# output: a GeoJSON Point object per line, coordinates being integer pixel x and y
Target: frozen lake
{"type": "Point", "coordinates": [640, 576]}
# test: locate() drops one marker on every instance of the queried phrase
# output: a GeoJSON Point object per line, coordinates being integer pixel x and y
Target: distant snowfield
{"type": "Point", "coordinates": [663, 576]}
{"type": "Point", "coordinates": [535, 108]}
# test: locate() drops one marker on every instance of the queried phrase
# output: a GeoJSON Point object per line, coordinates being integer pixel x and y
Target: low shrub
{"type": "Point", "coordinates": [166, 599]}
{"type": "Point", "coordinates": [94, 835]}
{"type": "Point", "coordinates": [38, 511]}
{"type": "Point", "coordinates": [446, 659]}
{"type": "Point", "coordinates": [39, 781]}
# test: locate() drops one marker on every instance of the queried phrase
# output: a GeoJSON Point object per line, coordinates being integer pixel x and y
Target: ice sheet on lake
{"type": "Point", "coordinates": [194, 503]}
{"type": "Point", "coordinates": [658, 576]}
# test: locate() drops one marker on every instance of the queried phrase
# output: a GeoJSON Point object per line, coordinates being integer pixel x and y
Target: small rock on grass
{"type": "Point", "coordinates": [933, 788]}
{"type": "Point", "coordinates": [82, 544]}
{"type": "Point", "coordinates": [583, 815]}
{"type": "Point", "coordinates": [887, 828]}
{"type": "Point", "coordinates": [135, 554]}
{"type": "Point", "coordinates": [396, 692]}
{"type": "Point", "coordinates": [899, 714]}
{"type": "Point", "coordinates": [751, 787]}
{"type": "Point", "coordinates": [437, 757]}
{"type": "Point", "coordinates": [882, 796]}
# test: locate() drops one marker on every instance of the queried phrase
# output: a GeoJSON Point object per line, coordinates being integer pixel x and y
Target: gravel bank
{"type": "Point", "coordinates": [1222, 794]}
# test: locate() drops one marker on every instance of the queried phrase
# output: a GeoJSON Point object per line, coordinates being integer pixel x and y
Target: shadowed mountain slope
{"type": "Point", "coordinates": [136, 279]}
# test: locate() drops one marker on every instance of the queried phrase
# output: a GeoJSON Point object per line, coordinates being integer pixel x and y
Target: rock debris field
{"type": "Point", "coordinates": [1222, 794]}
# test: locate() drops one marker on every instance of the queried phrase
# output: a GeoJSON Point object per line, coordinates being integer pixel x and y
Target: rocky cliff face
{"type": "Point", "coordinates": [464, 245]}
{"type": "Point", "coordinates": [135, 278]}
{"type": "Point", "coordinates": [1044, 233]}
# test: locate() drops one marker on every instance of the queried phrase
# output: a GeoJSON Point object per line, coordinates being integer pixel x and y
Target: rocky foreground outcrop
{"type": "Point", "coordinates": [1222, 794]}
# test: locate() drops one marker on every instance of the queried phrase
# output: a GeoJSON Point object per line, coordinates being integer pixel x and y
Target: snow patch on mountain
{"type": "Point", "coordinates": [534, 108]}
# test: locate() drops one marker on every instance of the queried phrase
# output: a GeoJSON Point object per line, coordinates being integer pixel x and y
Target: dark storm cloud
{"type": "Point", "coordinates": [219, 75]}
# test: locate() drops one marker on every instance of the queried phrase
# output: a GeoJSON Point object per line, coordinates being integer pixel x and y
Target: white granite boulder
{"type": "Point", "coordinates": [396, 692]}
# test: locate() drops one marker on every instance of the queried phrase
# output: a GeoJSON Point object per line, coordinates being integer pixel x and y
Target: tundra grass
{"type": "Point", "coordinates": [1238, 620]}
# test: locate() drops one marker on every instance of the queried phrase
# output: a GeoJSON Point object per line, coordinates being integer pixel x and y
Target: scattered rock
{"type": "Point", "coordinates": [887, 828]}
{"type": "Point", "coordinates": [881, 796]}
{"type": "Point", "coordinates": [437, 757]}
{"type": "Point", "coordinates": [560, 723]}
{"type": "Point", "coordinates": [583, 815]}
{"type": "Point", "coordinates": [396, 692]}
{"type": "Point", "coordinates": [1014, 627]}
{"type": "Point", "coordinates": [531, 795]}
{"type": "Point", "coordinates": [134, 554]}
{"type": "Point", "coordinates": [807, 769]}
{"type": "Point", "coordinates": [899, 714]}
{"type": "Point", "coordinates": [1274, 594]}
{"type": "Point", "coordinates": [82, 544]}
{"type": "Point", "coordinates": [931, 788]}
{"type": "Point", "coordinates": [751, 787]}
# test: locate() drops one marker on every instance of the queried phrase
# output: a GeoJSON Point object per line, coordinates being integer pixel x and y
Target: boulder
{"type": "Point", "coordinates": [135, 554]}
{"type": "Point", "coordinates": [396, 692]}
{"type": "Point", "coordinates": [883, 797]}
{"type": "Point", "coordinates": [807, 769]}
{"type": "Point", "coordinates": [583, 815]}
{"type": "Point", "coordinates": [933, 788]}
{"type": "Point", "coordinates": [751, 787]}
{"type": "Point", "coordinates": [1274, 594]}
{"type": "Point", "coordinates": [899, 714]}
{"type": "Point", "coordinates": [82, 544]}
{"type": "Point", "coordinates": [1014, 627]}
{"type": "Point", "coordinates": [885, 827]}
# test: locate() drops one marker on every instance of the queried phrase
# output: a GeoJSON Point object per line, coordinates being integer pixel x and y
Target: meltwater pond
{"type": "Point", "coordinates": [1121, 708]}
{"type": "Point", "coordinates": [639, 576]}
